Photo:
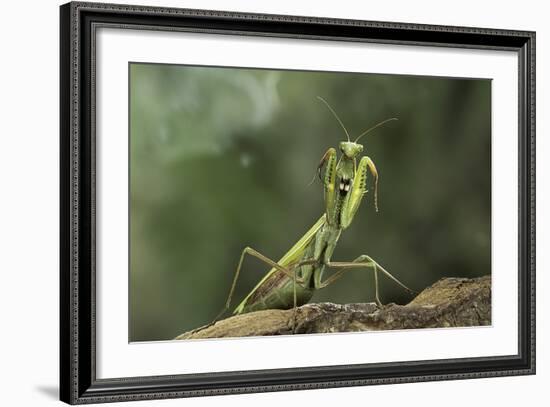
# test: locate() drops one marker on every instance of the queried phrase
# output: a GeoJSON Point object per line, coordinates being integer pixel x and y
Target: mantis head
{"type": "Point", "coordinates": [350, 149]}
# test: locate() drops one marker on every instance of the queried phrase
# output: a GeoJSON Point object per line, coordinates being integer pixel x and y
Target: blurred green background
{"type": "Point", "coordinates": [221, 158]}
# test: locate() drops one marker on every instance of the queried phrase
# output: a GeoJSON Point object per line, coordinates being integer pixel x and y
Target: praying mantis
{"type": "Point", "coordinates": [294, 278]}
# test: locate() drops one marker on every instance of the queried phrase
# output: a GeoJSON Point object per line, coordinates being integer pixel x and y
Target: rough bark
{"type": "Point", "coordinates": [450, 302]}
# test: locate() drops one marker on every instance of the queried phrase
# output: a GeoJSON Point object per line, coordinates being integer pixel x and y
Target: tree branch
{"type": "Point", "coordinates": [450, 302]}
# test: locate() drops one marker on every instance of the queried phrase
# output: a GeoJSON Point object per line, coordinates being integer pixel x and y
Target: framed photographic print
{"type": "Point", "coordinates": [257, 203]}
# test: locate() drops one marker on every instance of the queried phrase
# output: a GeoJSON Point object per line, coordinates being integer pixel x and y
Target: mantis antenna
{"type": "Point", "coordinates": [335, 115]}
{"type": "Point", "coordinates": [374, 127]}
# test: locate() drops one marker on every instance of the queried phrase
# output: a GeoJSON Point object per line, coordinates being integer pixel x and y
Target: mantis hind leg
{"type": "Point", "coordinates": [289, 271]}
{"type": "Point", "coordinates": [362, 261]}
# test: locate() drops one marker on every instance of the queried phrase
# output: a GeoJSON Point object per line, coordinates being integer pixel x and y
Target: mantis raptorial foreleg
{"type": "Point", "coordinates": [289, 271]}
{"type": "Point", "coordinates": [329, 180]}
{"type": "Point", "coordinates": [361, 261]}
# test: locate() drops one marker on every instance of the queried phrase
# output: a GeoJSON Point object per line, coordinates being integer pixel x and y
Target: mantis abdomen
{"type": "Point", "coordinates": [277, 293]}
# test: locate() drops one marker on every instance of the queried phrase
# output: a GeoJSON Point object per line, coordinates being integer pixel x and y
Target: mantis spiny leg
{"type": "Point", "coordinates": [362, 261]}
{"type": "Point", "coordinates": [329, 182]}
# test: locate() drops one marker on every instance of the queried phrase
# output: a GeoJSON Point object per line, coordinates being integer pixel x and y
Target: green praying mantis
{"type": "Point", "coordinates": [293, 279]}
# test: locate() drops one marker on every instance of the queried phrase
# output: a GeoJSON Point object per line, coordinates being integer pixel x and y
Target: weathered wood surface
{"type": "Point", "coordinates": [450, 302]}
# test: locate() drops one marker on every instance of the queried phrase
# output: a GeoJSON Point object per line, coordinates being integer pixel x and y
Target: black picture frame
{"type": "Point", "coordinates": [78, 382]}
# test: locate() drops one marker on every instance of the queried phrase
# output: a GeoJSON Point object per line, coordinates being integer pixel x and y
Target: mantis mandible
{"type": "Point", "coordinates": [293, 279]}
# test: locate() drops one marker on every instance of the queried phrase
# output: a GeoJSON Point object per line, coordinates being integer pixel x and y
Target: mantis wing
{"type": "Point", "coordinates": [293, 255]}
